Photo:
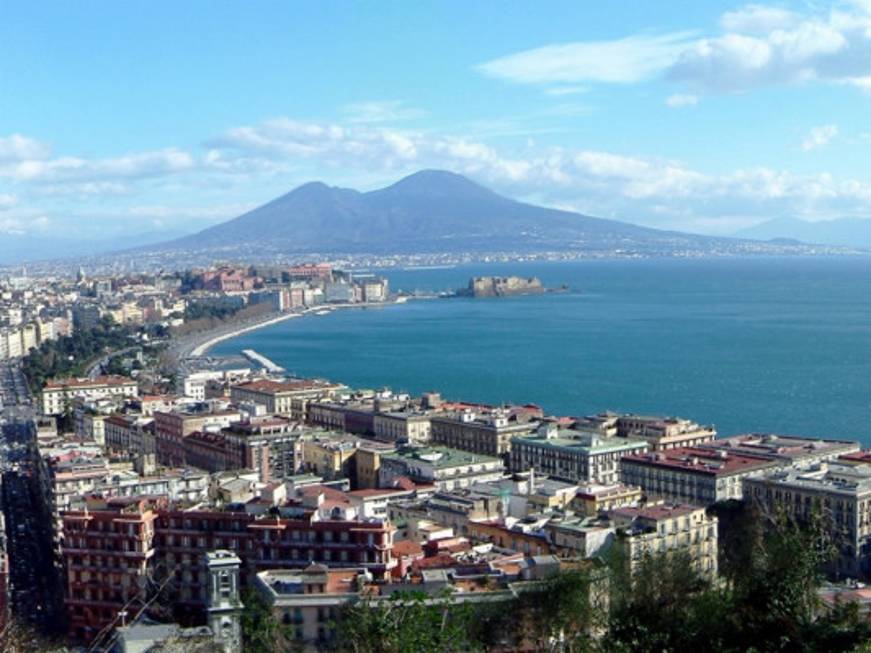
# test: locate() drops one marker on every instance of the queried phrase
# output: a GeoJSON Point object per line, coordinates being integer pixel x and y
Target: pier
{"type": "Point", "coordinates": [264, 362]}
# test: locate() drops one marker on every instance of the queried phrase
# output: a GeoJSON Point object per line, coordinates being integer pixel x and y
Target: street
{"type": "Point", "coordinates": [35, 590]}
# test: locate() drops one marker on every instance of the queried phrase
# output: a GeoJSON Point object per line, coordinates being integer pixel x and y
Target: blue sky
{"type": "Point", "coordinates": [704, 116]}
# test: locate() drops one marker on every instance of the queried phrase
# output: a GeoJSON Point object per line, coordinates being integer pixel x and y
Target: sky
{"type": "Point", "coordinates": [134, 117]}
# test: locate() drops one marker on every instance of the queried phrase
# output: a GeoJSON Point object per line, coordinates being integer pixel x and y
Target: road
{"type": "Point", "coordinates": [35, 590]}
{"type": "Point", "coordinates": [95, 369]}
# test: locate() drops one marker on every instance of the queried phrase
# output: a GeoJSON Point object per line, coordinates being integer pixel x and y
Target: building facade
{"type": "Point", "coordinates": [57, 394]}
{"type": "Point", "coordinates": [697, 476]}
{"type": "Point", "coordinates": [573, 456]}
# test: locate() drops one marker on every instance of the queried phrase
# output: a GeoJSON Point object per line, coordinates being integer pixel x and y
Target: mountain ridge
{"type": "Point", "coordinates": [428, 212]}
{"type": "Point", "coordinates": [838, 232]}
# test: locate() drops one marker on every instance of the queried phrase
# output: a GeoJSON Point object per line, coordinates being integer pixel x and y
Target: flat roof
{"type": "Point", "coordinates": [701, 461]}
{"type": "Point", "coordinates": [441, 457]}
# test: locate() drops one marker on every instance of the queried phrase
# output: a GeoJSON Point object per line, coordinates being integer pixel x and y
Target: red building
{"type": "Point", "coordinates": [312, 271]}
{"type": "Point", "coordinates": [111, 552]}
{"type": "Point", "coordinates": [208, 451]}
{"type": "Point", "coordinates": [107, 556]}
{"type": "Point", "coordinates": [171, 429]}
{"type": "Point", "coordinates": [227, 280]}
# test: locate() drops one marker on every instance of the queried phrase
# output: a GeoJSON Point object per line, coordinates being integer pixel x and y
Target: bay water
{"type": "Point", "coordinates": [749, 345]}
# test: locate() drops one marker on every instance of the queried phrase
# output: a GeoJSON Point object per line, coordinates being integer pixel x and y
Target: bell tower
{"type": "Point", "coordinates": [224, 605]}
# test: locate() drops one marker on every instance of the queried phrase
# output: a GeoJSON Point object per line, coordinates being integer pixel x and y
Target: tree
{"type": "Point", "coordinates": [409, 622]}
{"type": "Point", "coordinates": [261, 631]}
{"type": "Point", "coordinates": [561, 612]}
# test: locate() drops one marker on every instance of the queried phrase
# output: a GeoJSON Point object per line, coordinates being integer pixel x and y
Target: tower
{"type": "Point", "coordinates": [224, 605]}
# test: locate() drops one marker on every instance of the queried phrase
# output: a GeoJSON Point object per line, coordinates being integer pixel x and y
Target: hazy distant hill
{"type": "Point", "coordinates": [843, 232]}
{"type": "Point", "coordinates": [21, 248]}
{"type": "Point", "coordinates": [426, 212]}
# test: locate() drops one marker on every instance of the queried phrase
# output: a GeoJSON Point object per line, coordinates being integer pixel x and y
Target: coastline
{"type": "Point", "coordinates": [202, 348]}
{"type": "Point", "coordinates": [202, 343]}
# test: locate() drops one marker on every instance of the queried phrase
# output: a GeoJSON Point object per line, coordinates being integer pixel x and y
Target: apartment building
{"type": "Point", "coordinates": [594, 498]}
{"type": "Point", "coordinates": [288, 398]}
{"type": "Point", "coordinates": [837, 493]}
{"type": "Point", "coordinates": [786, 450]}
{"type": "Point", "coordinates": [171, 428]}
{"type": "Point", "coordinates": [445, 468]}
{"type": "Point", "coordinates": [692, 475]}
{"type": "Point", "coordinates": [660, 529]}
{"type": "Point", "coordinates": [59, 393]}
{"type": "Point", "coordinates": [663, 433]}
{"type": "Point", "coordinates": [482, 429]}
{"type": "Point", "coordinates": [273, 446]}
{"type": "Point", "coordinates": [107, 556]}
{"type": "Point", "coordinates": [124, 433]}
{"type": "Point", "coordinates": [573, 456]}
{"type": "Point", "coordinates": [385, 418]}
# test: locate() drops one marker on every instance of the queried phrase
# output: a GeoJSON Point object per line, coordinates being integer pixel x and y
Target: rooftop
{"type": "Point", "coordinates": [441, 457]}
{"type": "Point", "coordinates": [702, 461]}
{"type": "Point", "coordinates": [112, 380]}
{"type": "Point", "coordinates": [776, 446]}
{"type": "Point", "coordinates": [576, 440]}
{"type": "Point", "coordinates": [276, 387]}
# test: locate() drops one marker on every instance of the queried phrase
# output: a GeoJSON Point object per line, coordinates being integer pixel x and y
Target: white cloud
{"type": "Point", "coordinates": [24, 224]}
{"type": "Point", "coordinates": [7, 201]}
{"type": "Point", "coordinates": [381, 111]}
{"type": "Point", "coordinates": [76, 169]}
{"type": "Point", "coordinates": [819, 136]}
{"type": "Point", "coordinates": [621, 61]}
{"type": "Point", "coordinates": [759, 46]}
{"type": "Point", "coordinates": [16, 147]}
{"type": "Point", "coordinates": [680, 100]}
{"type": "Point", "coordinates": [834, 48]}
{"type": "Point", "coordinates": [758, 19]}
{"type": "Point", "coordinates": [560, 91]}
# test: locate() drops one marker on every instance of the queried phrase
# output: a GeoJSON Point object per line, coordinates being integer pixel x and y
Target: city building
{"type": "Point", "coordinates": [289, 398]}
{"type": "Point", "coordinates": [482, 429]}
{"type": "Point", "coordinates": [107, 557]}
{"type": "Point", "coordinates": [594, 498]}
{"type": "Point", "coordinates": [381, 416]}
{"type": "Point", "coordinates": [663, 433]}
{"type": "Point", "coordinates": [57, 394]}
{"type": "Point", "coordinates": [693, 475]}
{"type": "Point", "coordinates": [786, 450]}
{"type": "Point", "coordinates": [573, 456]}
{"type": "Point", "coordinates": [443, 467]}
{"type": "Point", "coordinates": [838, 494]}
{"type": "Point", "coordinates": [170, 429]}
{"type": "Point", "coordinates": [659, 529]}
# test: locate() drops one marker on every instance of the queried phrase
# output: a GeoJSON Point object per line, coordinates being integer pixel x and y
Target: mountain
{"type": "Point", "coordinates": [841, 232]}
{"type": "Point", "coordinates": [428, 212]}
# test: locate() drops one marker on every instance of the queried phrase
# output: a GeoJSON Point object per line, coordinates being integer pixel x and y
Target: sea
{"type": "Point", "coordinates": [778, 345]}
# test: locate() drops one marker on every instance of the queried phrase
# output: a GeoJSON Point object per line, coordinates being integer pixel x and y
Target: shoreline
{"type": "Point", "coordinates": [201, 346]}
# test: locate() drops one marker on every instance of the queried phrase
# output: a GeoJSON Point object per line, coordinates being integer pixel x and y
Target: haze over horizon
{"type": "Point", "coordinates": [128, 121]}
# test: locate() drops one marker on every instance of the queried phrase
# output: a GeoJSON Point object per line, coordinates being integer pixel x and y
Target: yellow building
{"type": "Point", "coordinates": [659, 529]}
{"type": "Point", "coordinates": [289, 398]}
{"type": "Point", "coordinates": [593, 498]}
{"type": "Point", "coordinates": [329, 456]}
